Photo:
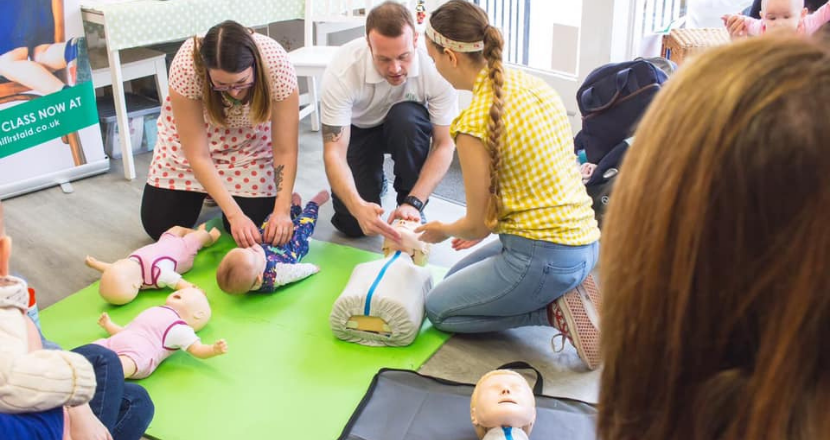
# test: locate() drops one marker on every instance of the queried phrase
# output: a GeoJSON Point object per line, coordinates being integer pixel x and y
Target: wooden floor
{"type": "Point", "coordinates": [53, 232]}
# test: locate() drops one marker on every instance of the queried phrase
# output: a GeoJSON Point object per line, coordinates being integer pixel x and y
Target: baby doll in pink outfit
{"type": "Point", "coordinates": [154, 266]}
{"type": "Point", "coordinates": [158, 332]}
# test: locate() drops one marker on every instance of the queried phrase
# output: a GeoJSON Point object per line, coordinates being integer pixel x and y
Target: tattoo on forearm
{"type": "Point", "coordinates": [332, 133]}
{"type": "Point", "coordinates": [278, 171]}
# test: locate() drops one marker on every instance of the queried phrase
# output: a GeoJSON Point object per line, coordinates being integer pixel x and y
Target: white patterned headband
{"type": "Point", "coordinates": [458, 46]}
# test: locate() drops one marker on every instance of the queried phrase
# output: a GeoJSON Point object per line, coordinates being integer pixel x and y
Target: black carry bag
{"type": "Point", "coordinates": [405, 405]}
{"type": "Point", "coordinates": [612, 99]}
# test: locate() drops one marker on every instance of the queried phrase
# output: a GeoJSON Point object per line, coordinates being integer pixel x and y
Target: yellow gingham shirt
{"type": "Point", "coordinates": [542, 194]}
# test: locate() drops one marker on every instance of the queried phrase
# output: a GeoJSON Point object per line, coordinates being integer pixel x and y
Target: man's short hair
{"type": "Point", "coordinates": [389, 19]}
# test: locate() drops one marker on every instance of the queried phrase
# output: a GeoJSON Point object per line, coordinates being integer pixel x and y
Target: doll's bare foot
{"type": "Point", "coordinates": [296, 199]}
{"type": "Point", "coordinates": [321, 198]}
{"type": "Point", "coordinates": [180, 231]}
{"type": "Point", "coordinates": [214, 234]}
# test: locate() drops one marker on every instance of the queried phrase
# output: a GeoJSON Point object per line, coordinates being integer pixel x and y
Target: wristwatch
{"type": "Point", "coordinates": [415, 202]}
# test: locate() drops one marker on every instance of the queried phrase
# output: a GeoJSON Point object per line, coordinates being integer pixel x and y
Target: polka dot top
{"type": "Point", "coordinates": [241, 151]}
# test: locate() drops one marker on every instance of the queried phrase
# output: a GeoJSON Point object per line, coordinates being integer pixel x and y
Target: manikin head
{"type": "Point", "coordinates": [782, 14]}
{"type": "Point", "coordinates": [410, 245]}
{"type": "Point", "coordinates": [121, 282]}
{"type": "Point", "coordinates": [502, 398]}
{"type": "Point", "coordinates": [241, 270]}
{"type": "Point", "coordinates": [192, 306]}
{"type": "Point", "coordinates": [390, 32]}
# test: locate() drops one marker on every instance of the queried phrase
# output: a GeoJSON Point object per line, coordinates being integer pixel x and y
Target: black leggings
{"type": "Point", "coordinates": [161, 209]}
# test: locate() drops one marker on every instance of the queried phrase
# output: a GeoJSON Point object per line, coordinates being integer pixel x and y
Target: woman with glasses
{"type": "Point", "coordinates": [228, 131]}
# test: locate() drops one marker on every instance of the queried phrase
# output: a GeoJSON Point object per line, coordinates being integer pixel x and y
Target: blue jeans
{"type": "Point", "coordinates": [507, 283]}
{"type": "Point", "coordinates": [124, 408]}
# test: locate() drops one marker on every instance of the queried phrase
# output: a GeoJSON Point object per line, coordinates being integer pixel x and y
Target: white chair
{"type": "Point", "coordinates": [310, 61]}
{"type": "Point", "coordinates": [135, 63]}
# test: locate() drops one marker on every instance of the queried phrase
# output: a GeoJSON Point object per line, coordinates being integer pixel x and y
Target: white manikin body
{"type": "Point", "coordinates": [383, 302]}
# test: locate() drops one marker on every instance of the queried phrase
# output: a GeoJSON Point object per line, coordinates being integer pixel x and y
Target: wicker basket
{"type": "Point", "coordinates": [679, 44]}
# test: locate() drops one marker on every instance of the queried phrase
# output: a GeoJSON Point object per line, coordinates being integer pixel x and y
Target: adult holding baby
{"type": "Point", "coordinates": [229, 130]}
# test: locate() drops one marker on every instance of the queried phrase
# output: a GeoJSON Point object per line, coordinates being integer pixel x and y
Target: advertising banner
{"type": "Point", "coordinates": [49, 131]}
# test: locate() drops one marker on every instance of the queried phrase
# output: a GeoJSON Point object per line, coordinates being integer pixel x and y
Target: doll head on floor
{"type": "Point", "coordinates": [244, 270]}
{"type": "Point", "coordinates": [192, 306]}
{"type": "Point", "coordinates": [121, 281]}
{"type": "Point", "coordinates": [241, 270]}
{"type": "Point", "coordinates": [410, 245]}
{"type": "Point", "coordinates": [502, 398]}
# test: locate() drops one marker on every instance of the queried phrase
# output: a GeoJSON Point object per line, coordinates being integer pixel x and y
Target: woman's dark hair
{"type": "Point", "coordinates": [229, 46]}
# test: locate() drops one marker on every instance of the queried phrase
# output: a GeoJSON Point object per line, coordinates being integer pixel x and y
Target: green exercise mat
{"type": "Point", "coordinates": [285, 375]}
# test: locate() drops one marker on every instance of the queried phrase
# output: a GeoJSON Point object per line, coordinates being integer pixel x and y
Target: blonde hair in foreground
{"type": "Point", "coordinates": [716, 251]}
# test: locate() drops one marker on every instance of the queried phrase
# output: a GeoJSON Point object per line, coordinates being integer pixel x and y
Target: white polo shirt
{"type": "Point", "coordinates": [353, 92]}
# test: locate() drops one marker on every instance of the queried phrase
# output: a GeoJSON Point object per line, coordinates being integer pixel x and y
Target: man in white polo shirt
{"type": "Point", "coordinates": [382, 95]}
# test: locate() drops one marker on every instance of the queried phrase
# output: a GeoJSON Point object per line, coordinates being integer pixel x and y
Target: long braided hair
{"type": "Point", "coordinates": [465, 22]}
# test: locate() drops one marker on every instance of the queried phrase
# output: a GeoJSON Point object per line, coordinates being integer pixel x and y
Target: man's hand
{"type": "Point", "coordinates": [279, 229]}
{"type": "Point", "coordinates": [460, 243]}
{"type": "Point", "coordinates": [368, 216]}
{"type": "Point", "coordinates": [405, 212]}
{"type": "Point", "coordinates": [245, 232]}
{"type": "Point", "coordinates": [432, 232]}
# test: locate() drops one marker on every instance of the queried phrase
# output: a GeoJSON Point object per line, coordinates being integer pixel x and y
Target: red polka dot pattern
{"type": "Point", "coordinates": [238, 148]}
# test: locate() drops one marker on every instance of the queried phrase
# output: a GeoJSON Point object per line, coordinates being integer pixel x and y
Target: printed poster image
{"type": "Point", "coordinates": [49, 130]}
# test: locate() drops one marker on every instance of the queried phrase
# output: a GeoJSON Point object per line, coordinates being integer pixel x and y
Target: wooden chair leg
{"type": "Point", "coordinates": [74, 141]}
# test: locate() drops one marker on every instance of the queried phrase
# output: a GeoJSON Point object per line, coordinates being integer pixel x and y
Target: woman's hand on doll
{"type": "Point", "coordinates": [279, 229]}
{"type": "Point", "coordinates": [245, 232]}
{"type": "Point", "coordinates": [432, 232]}
{"type": "Point", "coordinates": [220, 347]}
{"type": "Point", "coordinates": [461, 244]}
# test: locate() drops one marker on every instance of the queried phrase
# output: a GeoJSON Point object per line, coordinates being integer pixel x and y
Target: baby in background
{"type": "Point", "coordinates": [264, 268]}
{"type": "Point", "coordinates": [778, 15]}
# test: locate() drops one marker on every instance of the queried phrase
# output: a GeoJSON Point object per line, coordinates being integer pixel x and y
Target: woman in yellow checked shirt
{"type": "Point", "coordinates": [515, 147]}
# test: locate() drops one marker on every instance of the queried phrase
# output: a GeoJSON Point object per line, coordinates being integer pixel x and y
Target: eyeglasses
{"type": "Point", "coordinates": [235, 87]}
